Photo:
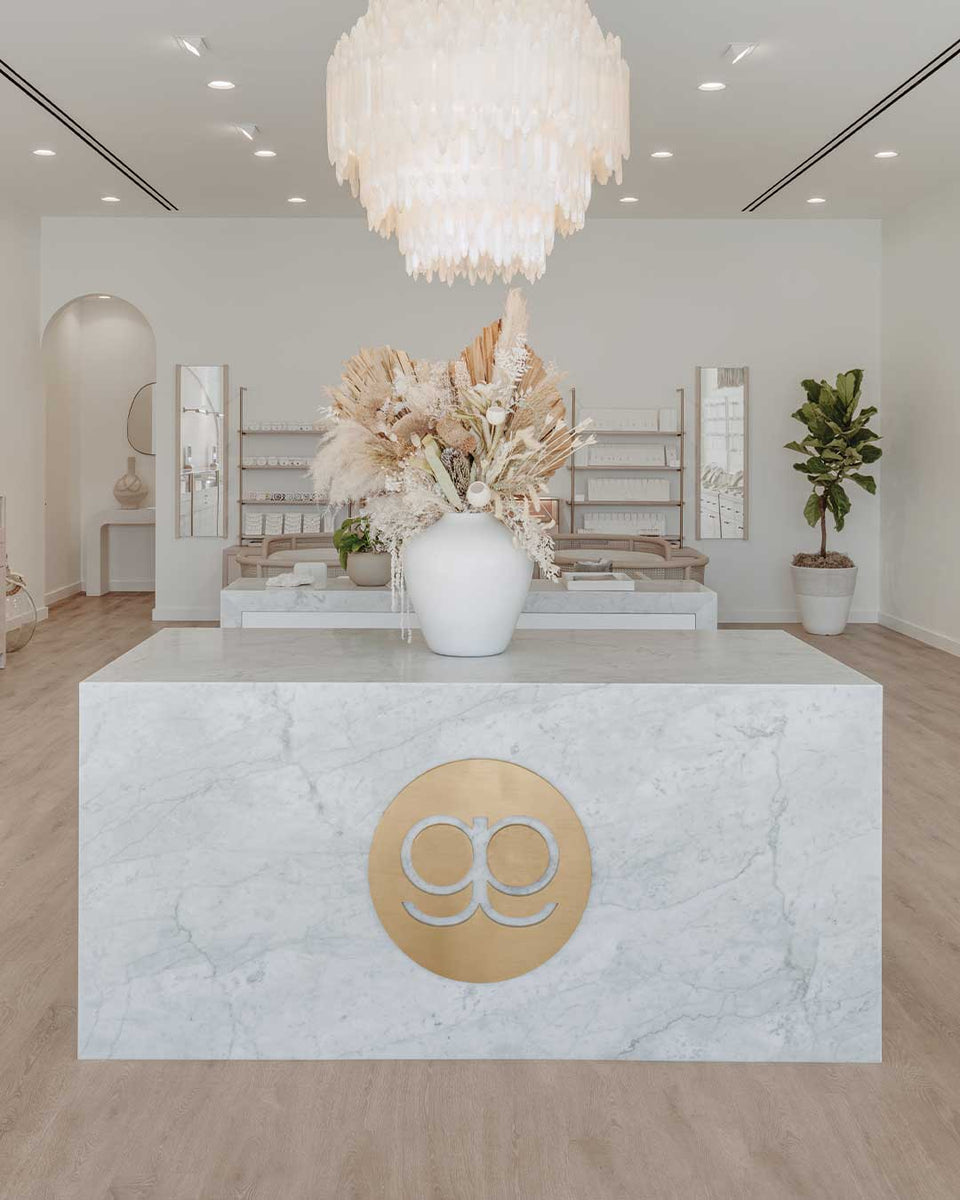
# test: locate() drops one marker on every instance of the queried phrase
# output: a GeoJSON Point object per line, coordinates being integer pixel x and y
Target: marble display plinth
{"type": "Point", "coordinates": [728, 785]}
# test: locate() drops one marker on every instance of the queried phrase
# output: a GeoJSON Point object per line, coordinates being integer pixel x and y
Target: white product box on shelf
{"type": "Point", "coordinates": [648, 454]}
{"type": "Point", "coordinates": [273, 523]}
{"type": "Point", "coordinates": [618, 487]}
{"type": "Point", "coordinates": [623, 522]}
{"type": "Point", "coordinates": [668, 420]}
{"type": "Point", "coordinates": [312, 523]}
{"type": "Point", "coordinates": [252, 524]}
{"type": "Point", "coordinates": [634, 420]}
{"type": "Point", "coordinates": [293, 522]}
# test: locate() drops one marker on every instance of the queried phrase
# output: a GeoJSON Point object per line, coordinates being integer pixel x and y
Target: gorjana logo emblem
{"type": "Point", "coordinates": [479, 870]}
{"type": "Point", "coordinates": [479, 875]}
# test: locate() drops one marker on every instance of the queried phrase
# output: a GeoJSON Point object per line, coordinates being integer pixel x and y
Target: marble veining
{"type": "Point", "coordinates": [341, 596]}
{"type": "Point", "coordinates": [734, 830]}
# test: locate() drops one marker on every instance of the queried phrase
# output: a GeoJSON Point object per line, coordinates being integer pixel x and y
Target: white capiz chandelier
{"type": "Point", "coordinates": [473, 129]}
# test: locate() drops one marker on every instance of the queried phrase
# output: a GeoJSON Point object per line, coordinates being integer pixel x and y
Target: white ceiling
{"type": "Point", "coordinates": [114, 67]}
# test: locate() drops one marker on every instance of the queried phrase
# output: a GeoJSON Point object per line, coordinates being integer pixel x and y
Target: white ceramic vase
{"type": "Point", "coordinates": [824, 596]}
{"type": "Point", "coordinates": [467, 583]}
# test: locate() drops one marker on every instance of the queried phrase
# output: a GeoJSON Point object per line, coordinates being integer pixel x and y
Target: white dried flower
{"type": "Point", "coordinates": [478, 495]}
{"type": "Point", "coordinates": [496, 415]}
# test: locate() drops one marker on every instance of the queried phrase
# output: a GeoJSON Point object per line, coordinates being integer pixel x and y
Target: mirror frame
{"type": "Point", "coordinates": [153, 441]}
{"type": "Point", "coordinates": [223, 523]}
{"type": "Point", "coordinates": [746, 455]}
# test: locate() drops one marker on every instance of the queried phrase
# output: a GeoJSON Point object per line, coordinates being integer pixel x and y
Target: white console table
{"type": "Point", "coordinates": [655, 604]}
{"type": "Point", "coordinates": [95, 543]}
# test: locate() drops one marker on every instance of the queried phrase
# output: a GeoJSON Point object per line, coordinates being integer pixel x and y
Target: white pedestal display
{"type": "Point", "coordinates": [727, 785]}
{"type": "Point", "coordinates": [654, 604]}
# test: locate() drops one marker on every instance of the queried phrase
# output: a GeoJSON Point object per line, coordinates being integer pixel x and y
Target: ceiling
{"type": "Point", "coordinates": [114, 67]}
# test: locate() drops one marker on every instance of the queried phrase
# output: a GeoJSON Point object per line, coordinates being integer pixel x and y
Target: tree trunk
{"type": "Point", "coordinates": [823, 525]}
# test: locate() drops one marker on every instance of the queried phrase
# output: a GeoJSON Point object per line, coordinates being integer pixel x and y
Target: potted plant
{"type": "Point", "coordinates": [837, 444]}
{"type": "Point", "coordinates": [362, 554]}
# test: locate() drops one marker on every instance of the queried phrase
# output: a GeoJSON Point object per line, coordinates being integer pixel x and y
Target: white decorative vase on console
{"type": "Point", "coordinates": [130, 490]}
{"type": "Point", "coordinates": [467, 583]}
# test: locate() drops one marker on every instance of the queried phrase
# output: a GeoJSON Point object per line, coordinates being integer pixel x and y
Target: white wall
{"type": "Point", "coordinates": [21, 398]}
{"type": "Point", "coordinates": [920, 589]}
{"type": "Point", "coordinates": [629, 308]}
{"type": "Point", "coordinates": [96, 354]}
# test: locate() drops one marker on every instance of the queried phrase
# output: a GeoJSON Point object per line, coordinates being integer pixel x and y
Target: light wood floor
{"type": "Point", "coordinates": [472, 1131]}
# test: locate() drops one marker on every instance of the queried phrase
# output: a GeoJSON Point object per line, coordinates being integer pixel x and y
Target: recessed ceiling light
{"type": "Point", "coordinates": [817, 200]}
{"type": "Point", "coordinates": [296, 199]}
{"type": "Point", "coordinates": [110, 199]}
{"type": "Point", "coordinates": [265, 153]}
{"type": "Point", "coordinates": [193, 45]}
{"type": "Point", "coordinates": [662, 154]}
{"type": "Point", "coordinates": [879, 153]}
{"type": "Point", "coordinates": [711, 86]}
{"type": "Point", "coordinates": [221, 85]}
{"type": "Point", "coordinates": [249, 131]}
{"type": "Point", "coordinates": [104, 297]}
{"type": "Point", "coordinates": [629, 199]}
{"type": "Point", "coordinates": [42, 152]}
{"type": "Point", "coordinates": [738, 51]}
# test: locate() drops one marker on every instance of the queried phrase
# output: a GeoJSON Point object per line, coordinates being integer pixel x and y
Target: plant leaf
{"type": "Point", "coordinates": [867, 482]}
{"type": "Point", "coordinates": [812, 509]}
{"type": "Point", "coordinates": [870, 453]}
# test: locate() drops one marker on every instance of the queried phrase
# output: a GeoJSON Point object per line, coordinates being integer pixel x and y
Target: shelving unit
{"type": "Point", "coordinates": [665, 436]}
{"type": "Point", "coordinates": [305, 505]}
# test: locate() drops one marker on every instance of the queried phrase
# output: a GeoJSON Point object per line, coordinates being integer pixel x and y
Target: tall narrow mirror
{"type": "Point", "coordinates": [722, 452]}
{"type": "Point", "coordinates": [202, 394]}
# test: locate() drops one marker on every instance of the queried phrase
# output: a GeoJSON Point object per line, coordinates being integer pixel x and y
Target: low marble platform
{"type": "Point", "coordinates": [655, 604]}
{"type": "Point", "coordinates": [232, 780]}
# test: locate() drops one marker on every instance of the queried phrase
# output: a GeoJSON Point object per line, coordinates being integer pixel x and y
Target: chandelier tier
{"type": "Point", "coordinates": [473, 129]}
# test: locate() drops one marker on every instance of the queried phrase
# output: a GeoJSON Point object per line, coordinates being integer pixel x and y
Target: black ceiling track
{"type": "Point", "coordinates": [881, 106]}
{"type": "Point", "coordinates": [85, 136]}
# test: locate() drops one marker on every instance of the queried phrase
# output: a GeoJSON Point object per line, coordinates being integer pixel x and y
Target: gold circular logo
{"type": "Point", "coordinates": [479, 870]}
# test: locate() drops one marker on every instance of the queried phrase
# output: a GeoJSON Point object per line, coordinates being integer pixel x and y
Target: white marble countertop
{"type": "Point", "coordinates": [748, 657]}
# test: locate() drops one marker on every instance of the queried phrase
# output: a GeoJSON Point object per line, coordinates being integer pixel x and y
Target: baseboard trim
{"type": "Point", "coordinates": [790, 616]}
{"type": "Point", "coordinates": [919, 633]}
{"type": "Point", "coordinates": [131, 585]}
{"type": "Point", "coordinates": [63, 593]}
{"type": "Point", "coordinates": [185, 614]}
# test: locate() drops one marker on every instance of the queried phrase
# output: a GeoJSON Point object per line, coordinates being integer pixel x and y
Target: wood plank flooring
{"type": "Point", "coordinates": [472, 1131]}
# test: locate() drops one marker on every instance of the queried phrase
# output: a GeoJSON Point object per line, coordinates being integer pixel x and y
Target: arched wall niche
{"type": "Point", "coordinates": [97, 351]}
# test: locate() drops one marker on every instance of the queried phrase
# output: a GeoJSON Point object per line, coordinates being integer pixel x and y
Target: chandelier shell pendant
{"type": "Point", "coordinates": [474, 129]}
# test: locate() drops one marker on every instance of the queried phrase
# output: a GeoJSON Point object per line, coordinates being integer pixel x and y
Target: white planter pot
{"type": "Point", "coordinates": [824, 596]}
{"type": "Point", "coordinates": [467, 583]}
{"type": "Point", "coordinates": [369, 569]}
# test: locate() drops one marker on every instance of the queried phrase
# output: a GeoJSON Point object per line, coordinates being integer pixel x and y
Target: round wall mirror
{"type": "Point", "coordinates": [140, 420]}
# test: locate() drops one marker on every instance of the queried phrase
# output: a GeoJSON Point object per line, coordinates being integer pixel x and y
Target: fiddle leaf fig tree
{"type": "Point", "coordinates": [837, 445]}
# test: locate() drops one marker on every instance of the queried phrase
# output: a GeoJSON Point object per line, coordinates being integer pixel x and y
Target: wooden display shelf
{"type": "Point", "coordinates": [288, 503]}
{"type": "Point", "coordinates": [662, 435]}
{"type": "Point", "coordinates": [280, 432]}
{"type": "Point", "coordinates": [659, 433]}
{"type": "Point", "coordinates": [274, 467]}
{"type": "Point", "coordinates": [628, 504]}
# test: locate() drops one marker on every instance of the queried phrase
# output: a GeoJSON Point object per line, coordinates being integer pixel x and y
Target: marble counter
{"type": "Point", "coordinates": [232, 782]}
{"type": "Point", "coordinates": [654, 604]}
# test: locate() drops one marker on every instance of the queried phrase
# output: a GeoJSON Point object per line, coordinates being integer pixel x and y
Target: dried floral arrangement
{"type": "Point", "coordinates": [413, 440]}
